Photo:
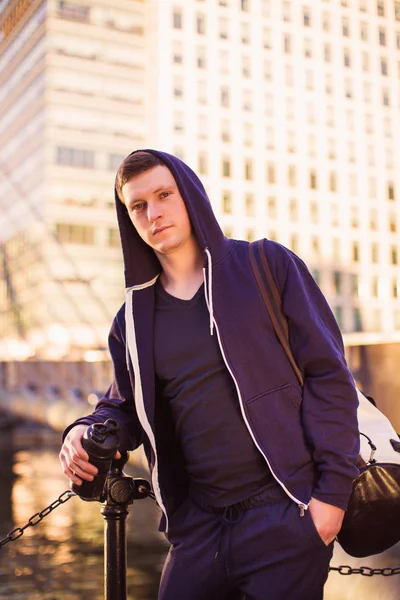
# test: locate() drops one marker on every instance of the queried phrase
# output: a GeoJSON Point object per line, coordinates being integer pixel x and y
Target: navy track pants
{"type": "Point", "coordinates": [267, 552]}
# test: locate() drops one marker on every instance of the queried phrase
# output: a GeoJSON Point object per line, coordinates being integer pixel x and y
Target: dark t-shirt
{"type": "Point", "coordinates": [222, 461]}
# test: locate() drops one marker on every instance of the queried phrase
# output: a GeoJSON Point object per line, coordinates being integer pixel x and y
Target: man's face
{"type": "Point", "coordinates": [157, 210]}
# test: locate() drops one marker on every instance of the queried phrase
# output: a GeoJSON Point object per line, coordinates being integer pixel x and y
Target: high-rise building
{"type": "Point", "coordinates": [288, 111]}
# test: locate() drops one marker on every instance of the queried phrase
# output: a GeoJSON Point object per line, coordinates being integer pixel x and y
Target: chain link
{"type": "Point", "coordinates": [16, 533]}
{"type": "Point", "coordinates": [366, 571]}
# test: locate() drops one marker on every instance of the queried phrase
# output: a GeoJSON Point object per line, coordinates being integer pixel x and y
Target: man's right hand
{"type": "Point", "coordinates": [75, 459]}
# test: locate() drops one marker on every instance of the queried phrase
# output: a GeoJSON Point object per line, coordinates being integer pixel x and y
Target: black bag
{"type": "Point", "coordinates": [372, 521]}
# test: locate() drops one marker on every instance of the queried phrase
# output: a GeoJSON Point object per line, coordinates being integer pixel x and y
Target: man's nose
{"type": "Point", "coordinates": [153, 211]}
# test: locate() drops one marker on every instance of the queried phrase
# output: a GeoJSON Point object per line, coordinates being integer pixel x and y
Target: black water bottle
{"type": "Point", "coordinates": [100, 441]}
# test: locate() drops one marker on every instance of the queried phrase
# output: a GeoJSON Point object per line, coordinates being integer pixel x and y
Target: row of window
{"type": "Point", "coordinates": [245, 28]}
{"type": "Point", "coordinates": [245, 6]}
{"type": "Point", "coordinates": [84, 234]}
{"type": "Point", "coordinates": [313, 213]}
{"type": "Point", "coordinates": [84, 159]}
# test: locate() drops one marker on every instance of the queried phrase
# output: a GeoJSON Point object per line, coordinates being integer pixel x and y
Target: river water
{"type": "Point", "coordinates": [61, 558]}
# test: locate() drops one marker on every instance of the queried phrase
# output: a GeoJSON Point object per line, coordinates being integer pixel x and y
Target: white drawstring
{"type": "Point", "coordinates": [208, 293]}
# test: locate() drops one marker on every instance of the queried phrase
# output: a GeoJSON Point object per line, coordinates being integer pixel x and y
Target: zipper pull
{"type": "Point", "coordinates": [303, 508]}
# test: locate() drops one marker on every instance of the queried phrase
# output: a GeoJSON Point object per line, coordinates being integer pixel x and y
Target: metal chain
{"type": "Point", "coordinates": [366, 571]}
{"type": "Point", "coordinates": [16, 533]}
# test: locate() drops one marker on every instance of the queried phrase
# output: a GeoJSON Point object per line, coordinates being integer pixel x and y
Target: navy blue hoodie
{"type": "Point", "coordinates": [308, 436]}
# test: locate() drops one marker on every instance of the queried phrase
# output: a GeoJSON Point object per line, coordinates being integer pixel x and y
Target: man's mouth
{"type": "Point", "coordinates": [160, 229]}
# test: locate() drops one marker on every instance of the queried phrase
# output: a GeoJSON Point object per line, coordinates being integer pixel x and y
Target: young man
{"type": "Point", "coordinates": [251, 471]}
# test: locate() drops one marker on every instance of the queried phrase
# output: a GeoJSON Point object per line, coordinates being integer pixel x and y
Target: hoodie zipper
{"type": "Point", "coordinates": [302, 505]}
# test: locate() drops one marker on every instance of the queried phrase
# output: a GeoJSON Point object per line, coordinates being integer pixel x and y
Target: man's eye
{"type": "Point", "coordinates": [137, 206]}
{"type": "Point", "coordinates": [164, 194]}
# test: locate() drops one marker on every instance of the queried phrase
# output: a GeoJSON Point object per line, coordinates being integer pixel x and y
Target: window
{"type": "Point", "coordinates": [327, 53]}
{"type": "Point", "coordinates": [365, 61]}
{"type": "Point", "coordinates": [226, 167]}
{"type": "Point", "coordinates": [200, 24]}
{"type": "Point", "coordinates": [292, 175]}
{"type": "Point", "coordinates": [306, 16]}
{"type": "Point", "coordinates": [353, 184]}
{"type": "Point", "coordinates": [114, 161]}
{"type": "Point", "coordinates": [245, 5]}
{"type": "Point", "coordinates": [398, 40]}
{"type": "Point", "coordinates": [246, 66]}
{"type": "Point", "coordinates": [308, 48]}
{"type": "Point", "coordinates": [202, 127]}
{"type": "Point", "coordinates": [268, 70]}
{"type": "Point", "coordinates": [354, 217]}
{"type": "Point", "coordinates": [311, 145]}
{"type": "Point", "coordinates": [392, 223]}
{"type": "Point", "coordinates": [177, 52]}
{"type": "Point", "coordinates": [338, 283]}
{"type": "Point", "coordinates": [287, 43]}
{"type": "Point", "coordinates": [345, 27]}
{"type": "Point", "coordinates": [267, 38]}
{"type": "Point", "coordinates": [374, 252]}
{"type": "Point", "coordinates": [336, 249]}
{"type": "Point", "coordinates": [227, 202]}
{"type": "Point", "coordinates": [371, 155]}
{"type": "Point", "coordinates": [338, 310]}
{"type": "Point", "coordinates": [224, 95]}
{"type": "Point", "coordinates": [363, 5]}
{"type": "Point", "coordinates": [271, 173]}
{"type": "Point", "coordinates": [309, 80]}
{"type": "Point", "coordinates": [348, 87]}
{"type": "Point", "coordinates": [224, 62]}
{"type": "Point", "coordinates": [315, 247]}
{"type": "Point", "coordinates": [364, 31]}
{"type": "Point", "coordinates": [367, 92]}
{"type": "Point", "coordinates": [269, 138]}
{"type": "Point", "coordinates": [75, 234]}
{"type": "Point", "coordinates": [369, 124]}
{"type": "Point", "coordinates": [113, 238]}
{"type": "Point", "coordinates": [384, 66]}
{"type": "Point", "coordinates": [385, 97]}
{"type": "Point", "coordinates": [286, 11]}
{"type": "Point", "coordinates": [355, 285]}
{"type": "Point", "coordinates": [346, 57]}
{"type": "Point", "coordinates": [223, 29]}
{"type": "Point", "coordinates": [247, 100]}
{"type": "Point", "coordinates": [314, 212]}
{"type": "Point", "coordinates": [373, 219]}
{"type": "Point", "coordinates": [372, 187]}
{"type": "Point", "coordinates": [225, 131]}
{"type": "Point", "coordinates": [355, 251]}
{"type": "Point", "coordinates": [312, 179]}
{"type": "Point", "coordinates": [201, 57]}
{"type": "Point", "coordinates": [178, 87]}
{"type": "Point", "coordinates": [203, 163]}
{"type": "Point", "coordinates": [390, 191]}
{"type": "Point", "coordinates": [74, 157]}
{"type": "Point", "coordinates": [289, 109]}
{"type": "Point", "coordinates": [289, 80]}
{"type": "Point", "coordinates": [177, 18]}
{"type": "Point", "coordinates": [395, 288]}
{"type": "Point", "coordinates": [380, 7]}
{"type": "Point", "coordinates": [250, 234]}
{"type": "Point", "coordinates": [294, 243]}
{"type": "Point", "coordinates": [291, 141]}
{"type": "Point", "coordinates": [394, 255]}
{"type": "Point", "coordinates": [293, 210]}
{"type": "Point", "coordinates": [382, 36]}
{"type": "Point", "coordinates": [248, 169]}
{"type": "Point", "coordinates": [328, 84]}
{"type": "Point", "coordinates": [331, 143]}
{"type": "Point", "coordinates": [178, 121]}
{"type": "Point", "coordinates": [397, 11]}
{"type": "Point", "coordinates": [250, 205]}
{"type": "Point", "coordinates": [201, 92]}
{"type": "Point", "coordinates": [248, 134]}
{"type": "Point", "coordinates": [245, 33]}
{"type": "Point", "coordinates": [326, 21]}
{"type": "Point", "coordinates": [330, 116]}
{"type": "Point", "coordinates": [332, 182]}
{"type": "Point", "coordinates": [350, 120]}
{"type": "Point", "coordinates": [358, 326]}
{"type": "Point", "coordinates": [271, 207]}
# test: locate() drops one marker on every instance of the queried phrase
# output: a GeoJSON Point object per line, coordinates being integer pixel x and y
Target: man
{"type": "Point", "coordinates": [251, 471]}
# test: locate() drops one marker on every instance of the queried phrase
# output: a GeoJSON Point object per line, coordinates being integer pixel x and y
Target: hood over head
{"type": "Point", "coordinates": [141, 262]}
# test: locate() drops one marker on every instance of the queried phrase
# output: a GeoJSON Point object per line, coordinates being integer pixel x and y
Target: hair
{"type": "Point", "coordinates": [133, 165]}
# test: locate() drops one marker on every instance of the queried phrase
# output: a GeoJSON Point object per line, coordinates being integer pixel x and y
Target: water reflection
{"type": "Point", "coordinates": [61, 558]}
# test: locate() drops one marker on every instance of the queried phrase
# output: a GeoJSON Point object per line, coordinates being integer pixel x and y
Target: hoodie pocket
{"type": "Point", "coordinates": [275, 419]}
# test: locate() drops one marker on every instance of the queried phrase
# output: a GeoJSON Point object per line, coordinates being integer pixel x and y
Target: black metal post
{"type": "Point", "coordinates": [114, 552]}
{"type": "Point", "coordinates": [119, 491]}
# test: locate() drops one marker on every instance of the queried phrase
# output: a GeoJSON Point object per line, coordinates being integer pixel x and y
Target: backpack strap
{"type": "Point", "coordinates": [272, 300]}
